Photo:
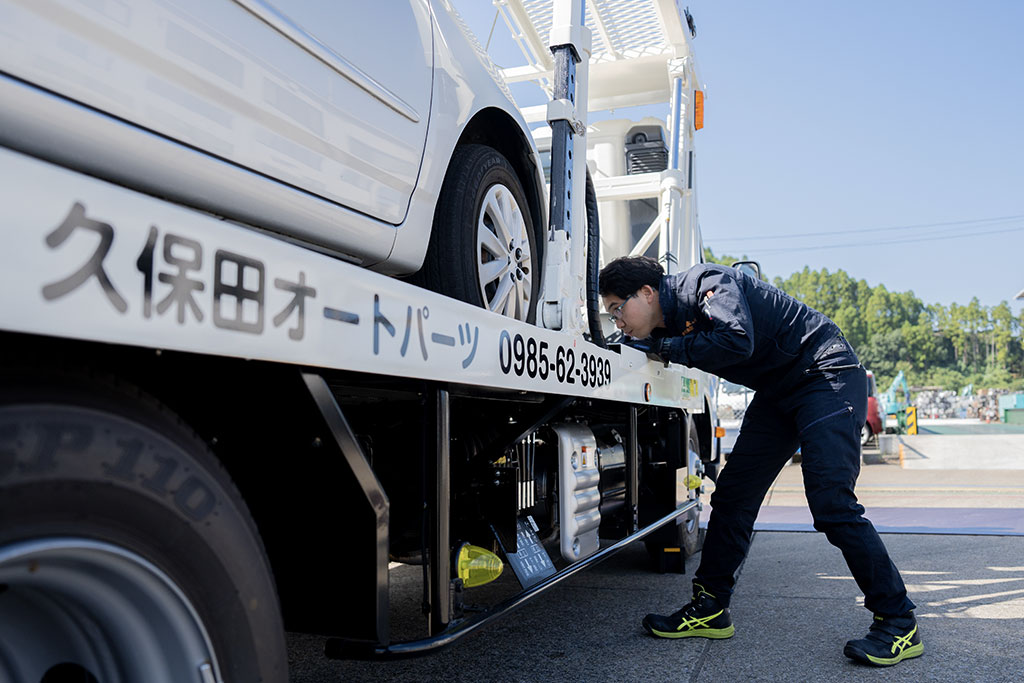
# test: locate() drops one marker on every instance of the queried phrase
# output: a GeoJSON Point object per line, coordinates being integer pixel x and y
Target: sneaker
{"type": "Point", "coordinates": [889, 640]}
{"type": "Point", "coordinates": [703, 616]}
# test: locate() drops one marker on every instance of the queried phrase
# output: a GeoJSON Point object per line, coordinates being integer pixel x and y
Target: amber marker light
{"type": "Point", "coordinates": [698, 109]}
{"type": "Point", "coordinates": [476, 566]}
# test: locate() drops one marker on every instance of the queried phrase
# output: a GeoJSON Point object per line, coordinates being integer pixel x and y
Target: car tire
{"type": "Point", "coordinates": [483, 246]}
{"type": "Point", "coordinates": [865, 434]}
{"type": "Point", "coordinates": [126, 553]}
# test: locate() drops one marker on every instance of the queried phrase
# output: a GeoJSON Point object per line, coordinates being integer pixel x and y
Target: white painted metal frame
{"type": "Point", "coordinates": [564, 288]}
{"type": "Point", "coordinates": [641, 55]}
{"type": "Point", "coordinates": [86, 259]}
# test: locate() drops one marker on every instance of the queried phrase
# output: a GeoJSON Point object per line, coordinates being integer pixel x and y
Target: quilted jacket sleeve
{"type": "Point", "coordinates": [730, 337]}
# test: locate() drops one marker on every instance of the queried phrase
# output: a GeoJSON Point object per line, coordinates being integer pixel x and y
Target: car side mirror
{"type": "Point", "coordinates": [751, 268]}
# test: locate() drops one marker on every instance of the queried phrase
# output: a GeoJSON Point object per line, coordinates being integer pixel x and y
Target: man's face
{"type": "Point", "coordinates": [637, 314]}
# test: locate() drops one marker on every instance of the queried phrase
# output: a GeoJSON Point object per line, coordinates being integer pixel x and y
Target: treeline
{"type": "Point", "coordinates": [936, 346]}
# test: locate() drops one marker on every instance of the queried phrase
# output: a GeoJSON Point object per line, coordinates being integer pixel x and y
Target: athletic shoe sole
{"type": "Point", "coordinates": [861, 656]}
{"type": "Point", "coordinates": [715, 633]}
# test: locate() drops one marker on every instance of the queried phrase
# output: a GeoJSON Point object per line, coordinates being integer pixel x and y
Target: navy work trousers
{"type": "Point", "coordinates": [823, 415]}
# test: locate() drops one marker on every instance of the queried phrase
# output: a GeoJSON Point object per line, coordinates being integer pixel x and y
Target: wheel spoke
{"type": "Point", "coordinates": [492, 207]}
{"type": "Point", "coordinates": [515, 219]}
{"type": "Point", "coordinates": [489, 241]}
{"type": "Point", "coordinates": [492, 270]}
{"type": "Point", "coordinates": [504, 200]}
{"type": "Point", "coordinates": [521, 304]}
{"type": "Point", "coordinates": [500, 300]}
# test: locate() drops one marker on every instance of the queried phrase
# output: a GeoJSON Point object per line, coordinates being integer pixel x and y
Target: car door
{"type": "Point", "coordinates": [331, 98]}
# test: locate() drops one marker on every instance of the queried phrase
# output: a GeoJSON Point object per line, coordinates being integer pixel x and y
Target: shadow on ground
{"type": "Point", "coordinates": [794, 608]}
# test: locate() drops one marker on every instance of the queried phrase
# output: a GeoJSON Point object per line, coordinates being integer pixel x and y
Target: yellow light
{"type": "Point", "coordinates": [698, 109]}
{"type": "Point", "coordinates": [720, 432]}
{"type": "Point", "coordinates": [477, 566]}
{"type": "Point", "coordinates": [692, 481]}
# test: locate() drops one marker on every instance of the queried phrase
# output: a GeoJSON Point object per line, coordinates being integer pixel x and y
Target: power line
{"type": "Point", "coordinates": [876, 243]}
{"type": "Point", "coordinates": [885, 242]}
{"type": "Point", "coordinates": [845, 231]}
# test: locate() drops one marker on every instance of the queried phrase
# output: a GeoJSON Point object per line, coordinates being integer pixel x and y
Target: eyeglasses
{"type": "Point", "coordinates": [616, 313]}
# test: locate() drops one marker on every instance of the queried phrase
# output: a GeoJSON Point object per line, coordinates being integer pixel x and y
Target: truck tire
{"type": "Point", "coordinates": [126, 553]}
{"type": "Point", "coordinates": [689, 527]}
{"type": "Point", "coordinates": [686, 534]}
{"type": "Point", "coordinates": [483, 247]}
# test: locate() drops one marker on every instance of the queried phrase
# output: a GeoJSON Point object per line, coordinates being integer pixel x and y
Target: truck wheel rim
{"type": "Point", "coordinates": [696, 467]}
{"type": "Point", "coordinates": [79, 610]}
{"type": "Point", "coordinates": [504, 261]}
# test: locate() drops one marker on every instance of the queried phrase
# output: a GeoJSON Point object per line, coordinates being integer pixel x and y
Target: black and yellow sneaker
{"type": "Point", "coordinates": [703, 616]}
{"type": "Point", "coordinates": [889, 641]}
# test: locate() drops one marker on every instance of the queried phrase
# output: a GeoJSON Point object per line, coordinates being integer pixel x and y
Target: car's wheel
{"type": "Point", "coordinates": [483, 248]}
{"type": "Point", "coordinates": [126, 553]}
{"type": "Point", "coordinates": [865, 434]}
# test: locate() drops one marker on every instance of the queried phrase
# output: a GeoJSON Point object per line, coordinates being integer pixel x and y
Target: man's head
{"type": "Point", "coordinates": [629, 290]}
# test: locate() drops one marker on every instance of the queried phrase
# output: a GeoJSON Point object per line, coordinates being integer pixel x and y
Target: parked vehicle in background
{"type": "Point", "coordinates": [733, 400]}
{"type": "Point", "coordinates": [876, 417]}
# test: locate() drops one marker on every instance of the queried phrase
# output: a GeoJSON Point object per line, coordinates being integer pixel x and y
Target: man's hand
{"type": "Point", "coordinates": [650, 346]}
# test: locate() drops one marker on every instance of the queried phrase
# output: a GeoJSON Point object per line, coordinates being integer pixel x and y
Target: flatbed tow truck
{"type": "Point", "coordinates": [209, 434]}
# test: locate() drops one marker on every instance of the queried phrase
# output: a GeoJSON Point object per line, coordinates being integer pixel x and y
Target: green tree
{"type": "Point", "coordinates": [949, 379]}
{"type": "Point", "coordinates": [891, 310]}
{"type": "Point", "coordinates": [837, 295]}
{"type": "Point", "coordinates": [725, 260]}
{"type": "Point", "coordinates": [882, 354]}
{"type": "Point", "coordinates": [936, 345]}
{"type": "Point", "coordinates": [924, 346]}
{"type": "Point", "coordinates": [976, 322]}
{"type": "Point", "coordinates": [1004, 328]}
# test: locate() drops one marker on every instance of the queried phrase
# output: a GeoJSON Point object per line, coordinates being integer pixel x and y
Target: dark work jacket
{"type": "Point", "coordinates": [744, 330]}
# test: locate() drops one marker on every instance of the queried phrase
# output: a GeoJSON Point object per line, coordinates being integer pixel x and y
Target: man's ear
{"type": "Point", "coordinates": [648, 292]}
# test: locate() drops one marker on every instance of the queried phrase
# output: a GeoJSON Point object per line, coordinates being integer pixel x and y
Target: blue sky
{"type": "Point", "coordinates": [858, 120]}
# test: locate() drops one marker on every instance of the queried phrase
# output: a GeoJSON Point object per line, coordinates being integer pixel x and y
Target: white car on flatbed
{"type": "Point", "coordinates": [377, 132]}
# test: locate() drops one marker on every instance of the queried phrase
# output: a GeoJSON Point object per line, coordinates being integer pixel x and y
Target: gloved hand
{"type": "Point", "coordinates": [650, 346]}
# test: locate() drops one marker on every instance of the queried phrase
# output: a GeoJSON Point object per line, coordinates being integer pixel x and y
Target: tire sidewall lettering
{"type": "Point", "coordinates": [194, 499]}
{"type": "Point", "coordinates": [88, 459]}
{"type": "Point", "coordinates": [77, 448]}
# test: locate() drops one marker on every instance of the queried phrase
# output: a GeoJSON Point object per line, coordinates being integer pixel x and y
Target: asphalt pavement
{"type": "Point", "coordinates": [794, 608]}
{"type": "Point", "coordinates": [909, 500]}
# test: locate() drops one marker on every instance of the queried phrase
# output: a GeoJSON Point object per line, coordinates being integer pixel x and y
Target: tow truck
{"type": "Point", "coordinates": [211, 434]}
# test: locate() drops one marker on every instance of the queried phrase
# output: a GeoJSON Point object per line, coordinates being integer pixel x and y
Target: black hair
{"type": "Point", "coordinates": [626, 274]}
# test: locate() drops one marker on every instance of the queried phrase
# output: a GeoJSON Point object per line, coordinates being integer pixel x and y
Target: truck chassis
{"type": "Point", "coordinates": [192, 407]}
